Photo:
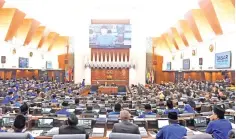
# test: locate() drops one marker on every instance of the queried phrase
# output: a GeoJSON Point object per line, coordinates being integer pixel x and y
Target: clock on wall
{"type": "Point", "coordinates": [194, 52]}
{"type": "Point", "coordinates": [31, 54]}
{"type": "Point", "coordinates": [211, 48]}
{"type": "Point", "coordinates": [173, 57]}
{"type": "Point", "coordinates": [14, 51]}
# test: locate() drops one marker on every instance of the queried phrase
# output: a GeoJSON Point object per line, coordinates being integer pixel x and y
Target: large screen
{"type": "Point", "coordinates": [186, 64]}
{"type": "Point", "coordinates": [23, 62]}
{"type": "Point", "coordinates": [223, 60]}
{"type": "Point", "coordinates": [110, 36]}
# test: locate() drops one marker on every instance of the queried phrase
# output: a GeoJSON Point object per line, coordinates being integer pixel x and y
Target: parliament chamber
{"type": "Point", "coordinates": [112, 69]}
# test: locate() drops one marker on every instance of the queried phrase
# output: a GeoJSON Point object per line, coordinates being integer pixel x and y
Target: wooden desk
{"type": "Point", "coordinates": [108, 90]}
{"type": "Point", "coordinates": [45, 137]}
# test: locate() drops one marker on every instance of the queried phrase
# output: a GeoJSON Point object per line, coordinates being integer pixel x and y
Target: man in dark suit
{"type": "Point", "coordinates": [72, 127]}
{"type": "Point", "coordinates": [125, 126]}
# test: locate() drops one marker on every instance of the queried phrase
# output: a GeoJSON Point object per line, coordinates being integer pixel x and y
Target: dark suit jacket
{"type": "Point", "coordinates": [72, 130]}
{"type": "Point", "coordinates": [125, 127]}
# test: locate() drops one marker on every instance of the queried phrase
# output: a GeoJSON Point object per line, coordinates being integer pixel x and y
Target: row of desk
{"type": "Point", "coordinates": [106, 129]}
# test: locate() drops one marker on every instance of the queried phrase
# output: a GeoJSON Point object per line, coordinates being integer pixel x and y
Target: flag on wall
{"type": "Point", "coordinates": [67, 75]}
{"type": "Point", "coordinates": [152, 76]}
{"type": "Point", "coordinates": [148, 77]}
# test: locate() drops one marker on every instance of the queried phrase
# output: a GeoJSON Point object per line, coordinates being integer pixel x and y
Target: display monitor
{"type": "Point", "coordinates": [200, 122]}
{"type": "Point", "coordinates": [70, 110]}
{"type": "Point", "coordinates": [23, 62]}
{"type": "Point", "coordinates": [110, 36]}
{"type": "Point", "coordinates": [231, 118]}
{"type": "Point", "coordinates": [200, 61]}
{"type": "Point", "coordinates": [46, 110]}
{"type": "Point", "coordinates": [162, 122]}
{"type": "Point", "coordinates": [223, 60]}
{"type": "Point", "coordinates": [86, 123]}
{"type": "Point", "coordinates": [45, 122]}
{"type": "Point", "coordinates": [168, 66]}
{"type": "Point", "coordinates": [8, 121]}
{"type": "Point", "coordinates": [186, 64]}
{"type": "Point", "coordinates": [48, 64]}
{"type": "Point", "coordinates": [3, 59]}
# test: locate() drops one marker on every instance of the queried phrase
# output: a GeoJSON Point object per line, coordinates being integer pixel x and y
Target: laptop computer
{"type": "Point", "coordinates": [231, 118]}
{"type": "Point", "coordinates": [161, 123]}
{"type": "Point", "coordinates": [43, 126]}
{"type": "Point", "coordinates": [46, 110]}
{"type": "Point", "coordinates": [70, 110]}
{"type": "Point", "coordinates": [45, 123]}
{"type": "Point", "coordinates": [8, 121]}
{"type": "Point", "coordinates": [200, 124]}
{"type": "Point", "coordinates": [86, 123]}
{"type": "Point", "coordinates": [181, 104]}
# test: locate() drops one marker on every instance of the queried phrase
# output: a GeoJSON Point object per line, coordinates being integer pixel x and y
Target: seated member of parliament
{"type": "Point", "coordinates": [117, 110]}
{"type": "Point", "coordinates": [19, 124]}
{"type": "Point", "coordinates": [170, 106]}
{"type": "Point", "coordinates": [172, 131]}
{"type": "Point", "coordinates": [125, 126]}
{"type": "Point", "coordinates": [54, 100]}
{"type": "Point", "coordinates": [219, 127]}
{"type": "Point", "coordinates": [24, 109]}
{"type": "Point", "coordinates": [8, 98]}
{"type": "Point", "coordinates": [71, 128]}
{"type": "Point", "coordinates": [64, 111]}
{"type": "Point", "coordinates": [148, 111]}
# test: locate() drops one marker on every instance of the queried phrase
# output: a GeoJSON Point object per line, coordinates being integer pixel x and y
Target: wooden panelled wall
{"type": "Point", "coordinates": [117, 76]}
{"type": "Point", "coordinates": [211, 76]}
{"type": "Point", "coordinates": [62, 60]}
{"type": "Point", "coordinates": [169, 76]}
{"type": "Point", "coordinates": [23, 73]}
{"type": "Point", "coordinates": [110, 76]}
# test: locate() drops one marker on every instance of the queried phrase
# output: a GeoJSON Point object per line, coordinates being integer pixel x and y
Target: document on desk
{"type": "Point", "coordinates": [35, 133]}
{"type": "Point", "coordinates": [229, 110]}
{"type": "Point", "coordinates": [189, 131]}
{"type": "Point", "coordinates": [233, 125]}
{"type": "Point", "coordinates": [143, 132]}
{"type": "Point", "coordinates": [197, 132]}
{"type": "Point", "coordinates": [108, 133]}
{"type": "Point", "coordinates": [152, 134]}
{"type": "Point", "coordinates": [98, 132]}
{"type": "Point", "coordinates": [53, 131]}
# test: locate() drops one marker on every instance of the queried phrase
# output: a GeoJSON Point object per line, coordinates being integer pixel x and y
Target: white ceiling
{"type": "Point", "coordinates": [63, 15]}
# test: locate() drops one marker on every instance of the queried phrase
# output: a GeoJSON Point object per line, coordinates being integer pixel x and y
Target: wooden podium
{"type": "Point", "coordinates": [108, 90]}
